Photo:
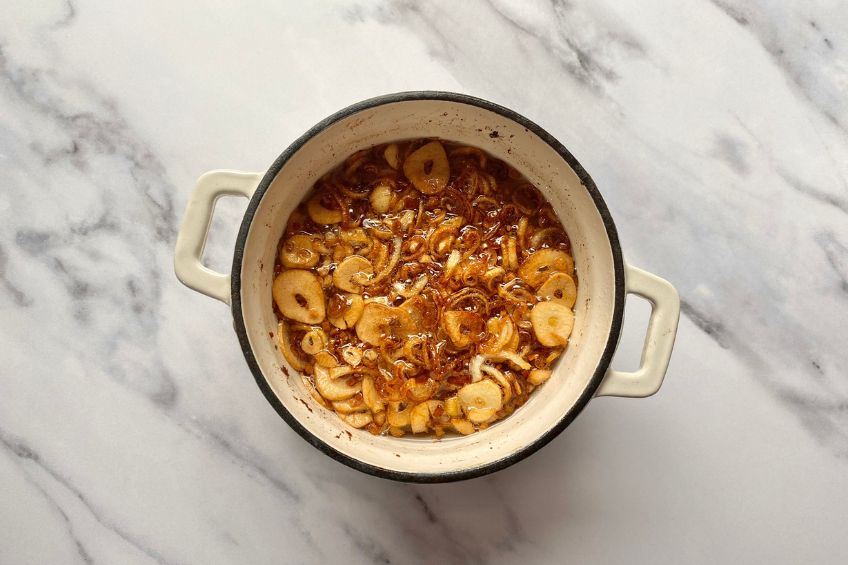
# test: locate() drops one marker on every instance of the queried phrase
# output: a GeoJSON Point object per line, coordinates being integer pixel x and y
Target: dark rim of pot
{"type": "Point", "coordinates": [486, 468]}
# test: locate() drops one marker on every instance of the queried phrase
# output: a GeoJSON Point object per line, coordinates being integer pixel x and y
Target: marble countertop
{"type": "Point", "coordinates": [130, 427]}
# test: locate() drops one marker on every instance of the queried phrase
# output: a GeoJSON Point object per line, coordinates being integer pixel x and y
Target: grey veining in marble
{"type": "Point", "coordinates": [130, 428]}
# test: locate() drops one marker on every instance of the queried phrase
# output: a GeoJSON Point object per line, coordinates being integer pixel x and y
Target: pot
{"type": "Point", "coordinates": [581, 374]}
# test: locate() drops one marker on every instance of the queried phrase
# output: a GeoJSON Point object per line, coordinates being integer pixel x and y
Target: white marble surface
{"type": "Point", "coordinates": [130, 428]}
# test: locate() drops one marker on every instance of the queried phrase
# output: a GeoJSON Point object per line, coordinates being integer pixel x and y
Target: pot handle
{"type": "Point", "coordinates": [191, 238]}
{"type": "Point", "coordinates": [659, 341]}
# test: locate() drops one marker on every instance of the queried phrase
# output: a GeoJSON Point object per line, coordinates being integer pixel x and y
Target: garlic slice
{"type": "Point", "coordinates": [320, 214]}
{"type": "Point", "coordinates": [350, 273]}
{"type": "Point", "coordinates": [419, 392]}
{"type": "Point", "coordinates": [349, 406]}
{"type": "Point", "coordinates": [462, 426]}
{"type": "Point", "coordinates": [481, 400]}
{"type": "Point", "coordinates": [477, 364]}
{"type": "Point", "coordinates": [314, 341]}
{"type": "Point", "coordinates": [452, 263]}
{"type": "Point", "coordinates": [475, 367]}
{"type": "Point", "coordinates": [370, 356]}
{"type": "Point", "coordinates": [390, 154]}
{"type": "Point", "coordinates": [419, 418]}
{"type": "Point", "coordinates": [559, 286]}
{"type": "Point", "coordinates": [501, 379]}
{"type": "Point", "coordinates": [333, 389]}
{"type": "Point", "coordinates": [299, 296]}
{"type": "Point", "coordinates": [352, 355]}
{"type": "Point", "coordinates": [326, 359]}
{"type": "Point", "coordinates": [289, 355]}
{"type": "Point", "coordinates": [379, 418]}
{"type": "Point", "coordinates": [538, 266]}
{"type": "Point", "coordinates": [427, 168]}
{"type": "Point", "coordinates": [371, 396]}
{"type": "Point", "coordinates": [358, 419]}
{"type": "Point", "coordinates": [522, 233]}
{"type": "Point", "coordinates": [313, 392]}
{"type": "Point", "coordinates": [437, 410]}
{"type": "Point", "coordinates": [379, 320]}
{"type": "Point", "coordinates": [501, 330]}
{"type": "Point", "coordinates": [406, 219]}
{"type": "Point", "coordinates": [514, 359]}
{"type": "Point", "coordinates": [299, 251]}
{"type": "Point", "coordinates": [538, 376]}
{"type": "Point", "coordinates": [552, 322]}
{"type": "Point", "coordinates": [344, 310]}
{"type": "Point", "coordinates": [452, 407]}
{"type": "Point", "coordinates": [398, 418]}
{"type": "Point", "coordinates": [381, 198]}
{"type": "Point", "coordinates": [355, 236]}
{"type": "Point", "coordinates": [509, 254]}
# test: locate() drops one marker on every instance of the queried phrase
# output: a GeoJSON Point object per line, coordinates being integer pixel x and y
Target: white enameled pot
{"type": "Point", "coordinates": [582, 373]}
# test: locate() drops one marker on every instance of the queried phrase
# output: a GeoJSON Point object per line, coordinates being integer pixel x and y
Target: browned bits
{"type": "Point", "coordinates": [423, 286]}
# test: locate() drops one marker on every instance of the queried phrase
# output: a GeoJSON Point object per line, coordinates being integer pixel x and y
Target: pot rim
{"type": "Point", "coordinates": [486, 468]}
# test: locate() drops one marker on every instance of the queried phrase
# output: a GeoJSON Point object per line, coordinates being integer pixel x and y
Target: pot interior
{"type": "Point", "coordinates": [576, 374]}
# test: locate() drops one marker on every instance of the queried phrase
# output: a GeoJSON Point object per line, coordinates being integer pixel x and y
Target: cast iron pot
{"type": "Point", "coordinates": [581, 374]}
